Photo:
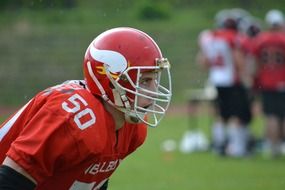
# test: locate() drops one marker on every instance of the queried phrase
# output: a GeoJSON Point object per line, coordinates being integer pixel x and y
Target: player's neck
{"type": "Point", "coordinates": [118, 116]}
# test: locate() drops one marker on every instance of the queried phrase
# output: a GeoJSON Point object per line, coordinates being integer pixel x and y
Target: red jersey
{"type": "Point", "coordinates": [65, 139]}
{"type": "Point", "coordinates": [269, 50]}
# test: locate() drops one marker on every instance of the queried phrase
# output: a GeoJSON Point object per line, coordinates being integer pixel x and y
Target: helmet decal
{"type": "Point", "coordinates": [115, 61]}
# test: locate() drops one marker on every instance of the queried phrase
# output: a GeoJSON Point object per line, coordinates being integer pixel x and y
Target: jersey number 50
{"type": "Point", "coordinates": [73, 106]}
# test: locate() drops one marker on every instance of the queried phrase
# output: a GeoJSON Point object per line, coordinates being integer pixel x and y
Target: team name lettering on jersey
{"type": "Point", "coordinates": [102, 167]}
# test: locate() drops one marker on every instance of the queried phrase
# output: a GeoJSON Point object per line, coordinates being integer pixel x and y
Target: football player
{"type": "Point", "coordinates": [269, 51]}
{"type": "Point", "coordinates": [220, 54]}
{"type": "Point", "coordinates": [74, 135]}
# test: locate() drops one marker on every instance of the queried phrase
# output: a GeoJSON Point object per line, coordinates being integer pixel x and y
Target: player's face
{"type": "Point", "coordinates": [152, 95]}
{"type": "Point", "coordinates": [149, 82]}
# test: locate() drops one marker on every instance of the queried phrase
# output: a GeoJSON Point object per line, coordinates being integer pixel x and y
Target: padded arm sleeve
{"type": "Point", "coordinates": [12, 180]}
{"type": "Point", "coordinates": [105, 185]}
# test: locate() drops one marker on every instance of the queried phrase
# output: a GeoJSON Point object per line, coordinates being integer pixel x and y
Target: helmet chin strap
{"type": "Point", "coordinates": [131, 118]}
{"type": "Point", "coordinates": [121, 101]}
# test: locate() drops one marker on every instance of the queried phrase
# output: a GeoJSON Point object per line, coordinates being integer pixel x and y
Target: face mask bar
{"type": "Point", "coordinates": [160, 97]}
{"type": "Point", "coordinates": [160, 101]}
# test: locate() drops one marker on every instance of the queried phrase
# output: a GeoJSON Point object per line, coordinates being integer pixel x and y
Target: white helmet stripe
{"type": "Point", "coordinates": [116, 62]}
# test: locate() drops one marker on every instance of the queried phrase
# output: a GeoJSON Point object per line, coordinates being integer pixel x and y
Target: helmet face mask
{"type": "Point", "coordinates": [115, 65]}
{"type": "Point", "coordinates": [145, 98]}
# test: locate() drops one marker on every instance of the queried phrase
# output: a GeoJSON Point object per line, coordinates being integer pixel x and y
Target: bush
{"type": "Point", "coordinates": [36, 4]}
{"type": "Point", "coordinates": [154, 10]}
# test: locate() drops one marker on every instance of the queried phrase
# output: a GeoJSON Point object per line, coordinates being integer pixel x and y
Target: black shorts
{"type": "Point", "coordinates": [273, 103]}
{"type": "Point", "coordinates": [234, 102]}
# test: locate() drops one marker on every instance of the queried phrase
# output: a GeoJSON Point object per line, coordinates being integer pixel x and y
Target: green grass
{"type": "Point", "coordinates": [151, 168]}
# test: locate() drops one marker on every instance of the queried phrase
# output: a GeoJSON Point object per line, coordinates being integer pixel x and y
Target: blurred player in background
{"type": "Point", "coordinates": [269, 51]}
{"type": "Point", "coordinates": [74, 135]}
{"type": "Point", "coordinates": [220, 53]}
{"type": "Point", "coordinates": [250, 27]}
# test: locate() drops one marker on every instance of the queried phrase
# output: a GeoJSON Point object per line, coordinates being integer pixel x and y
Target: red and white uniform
{"type": "Point", "coordinates": [65, 139]}
{"type": "Point", "coordinates": [217, 46]}
{"type": "Point", "coordinates": [269, 50]}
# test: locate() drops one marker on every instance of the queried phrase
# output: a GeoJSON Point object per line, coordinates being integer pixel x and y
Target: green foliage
{"type": "Point", "coordinates": [37, 4]}
{"type": "Point", "coordinates": [149, 10]}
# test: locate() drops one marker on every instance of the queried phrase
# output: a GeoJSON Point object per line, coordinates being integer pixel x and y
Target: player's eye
{"type": "Point", "coordinates": [146, 81]}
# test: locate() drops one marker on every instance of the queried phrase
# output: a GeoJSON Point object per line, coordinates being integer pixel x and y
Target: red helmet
{"type": "Point", "coordinates": [113, 64]}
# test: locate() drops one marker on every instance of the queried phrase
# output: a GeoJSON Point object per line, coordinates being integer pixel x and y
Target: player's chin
{"type": "Point", "coordinates": [135, 118]}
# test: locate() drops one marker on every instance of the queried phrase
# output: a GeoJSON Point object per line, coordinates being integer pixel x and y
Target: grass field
{"type": "Point", "coordinates": [151, 168]}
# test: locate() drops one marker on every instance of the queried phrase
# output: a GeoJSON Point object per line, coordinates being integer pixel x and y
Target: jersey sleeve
{"type": "Point", "coordinates": [43, 145]}
{"type": "Point", "coordinates": [49, 141]}
{"type": "Point", "coordinates": [59, 132]}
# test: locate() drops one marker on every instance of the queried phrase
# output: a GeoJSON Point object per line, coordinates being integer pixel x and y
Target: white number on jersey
{"type": "Point", "coordinates": [73, 106]}
{"type": "Point", "coordinates": [77, 185]}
